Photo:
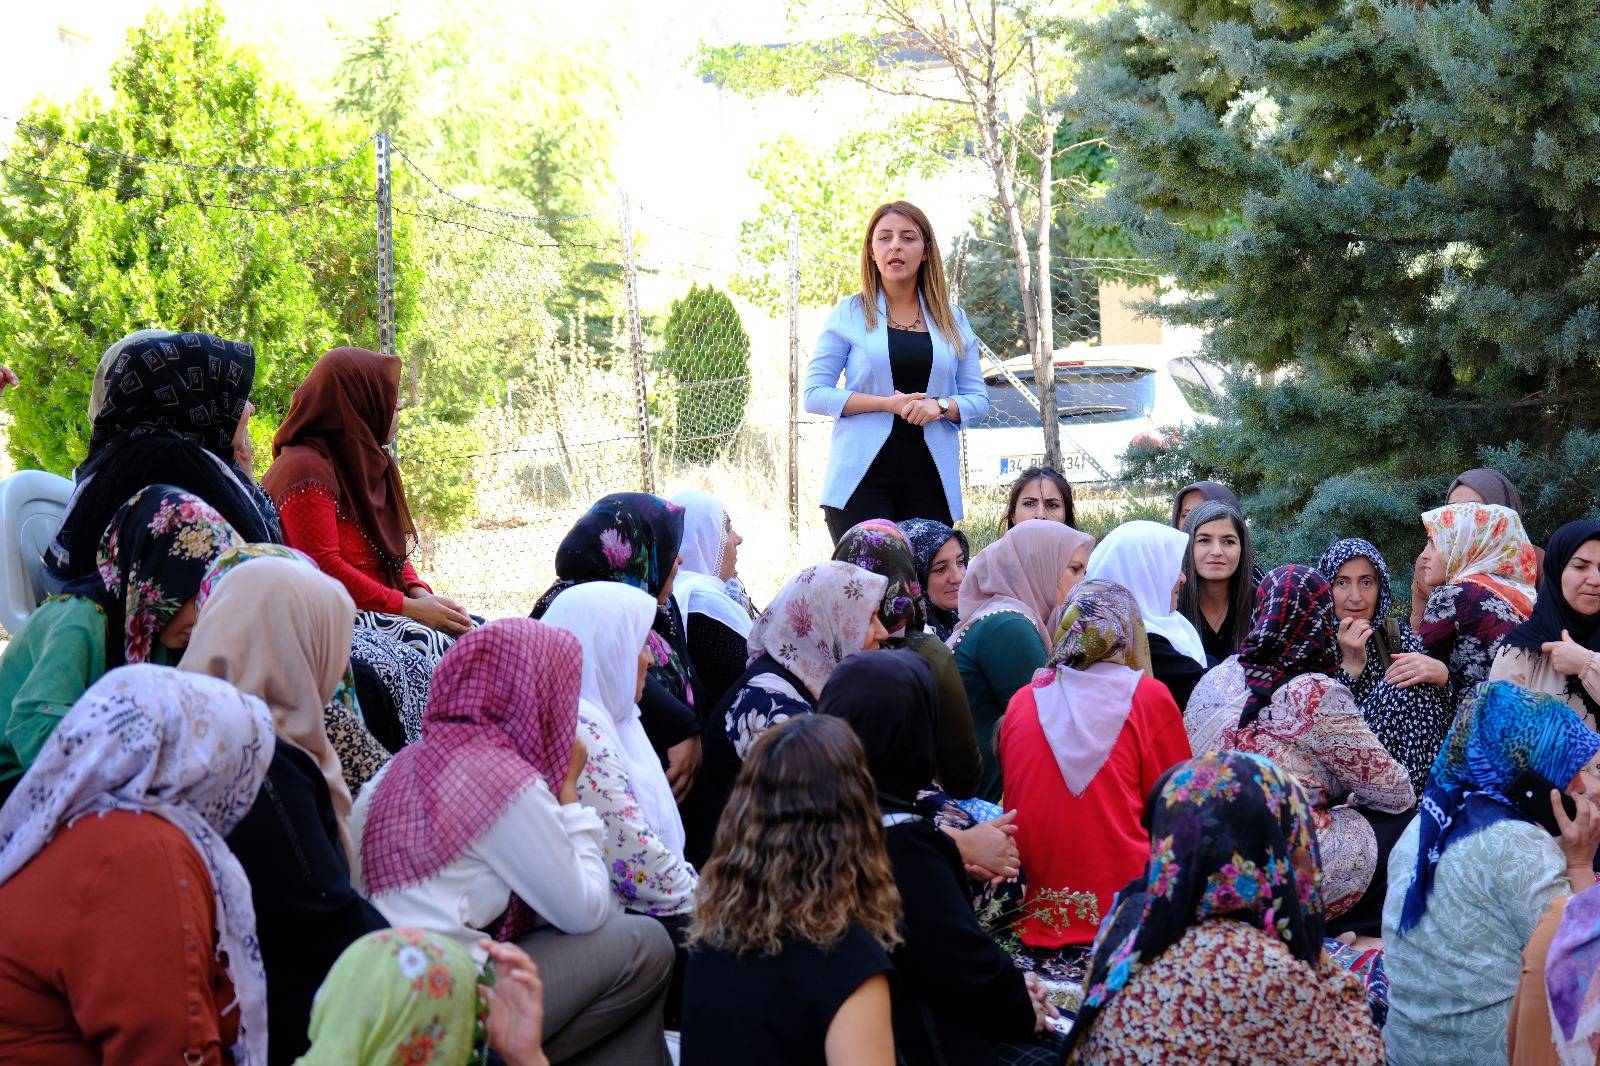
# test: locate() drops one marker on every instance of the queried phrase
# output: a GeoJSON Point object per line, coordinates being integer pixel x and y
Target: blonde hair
{"type": "Point", "coordinates": [799, 852]}
{"type": "Point", "coordinates": [930, 274]}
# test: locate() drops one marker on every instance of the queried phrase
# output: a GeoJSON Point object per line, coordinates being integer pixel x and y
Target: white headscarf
{"type": "Point", "coordinates": [187, 748]}
{"type": "Point", "coordinates": [1147, 558]}
{"type": "Point", "coordinates": [699, 586]}
{"type": "Point", "coordinates": [611, 621]}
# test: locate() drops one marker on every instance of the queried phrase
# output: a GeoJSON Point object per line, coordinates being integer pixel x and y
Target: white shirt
{"type": "Point", "coordinates": [547, 852]}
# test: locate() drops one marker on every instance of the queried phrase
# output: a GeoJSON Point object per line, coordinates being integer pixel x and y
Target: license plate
{"type": "Point", "coordinates": [1012, 465]}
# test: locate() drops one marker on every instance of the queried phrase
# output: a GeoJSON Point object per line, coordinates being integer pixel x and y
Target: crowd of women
{"type": "Point", "coordinates": [269, 798]}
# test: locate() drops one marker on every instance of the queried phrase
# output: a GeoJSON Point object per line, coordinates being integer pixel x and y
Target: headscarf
{"type": "Point", "coordinates": [1492, 485]}
{"type": "Point", "coordinates": [1294, 632]}
{"type": "Point", "coordinates": [502, 714]}
{"type": "Point", "coordinates": [1210, 491]}
{"type": "Point", "coordinates": [699, 587]}
{"type": "Point", "coordinates": [611, 621]}
{"type": "Point", "coordinates": [1500, 731]}
{"type": "Point", "coordinates": [821, 617]}
{"type": "Point", "coordinates": [1569, 979]}
{"type": "Point", "coordinates": [398, 996]}
{"type": "Point", "coordinates": [1146, 558]}
{"type": "Point", "coordinates": [97, 389]}
{"type": "Point", "coordinates": [334, 436]}
{"type": "Point", "coordinates": [1231, 836]}
{"type": "Point", "coordinates": [928, 539]}
{"type": "Point", "coordinates": [1484, 544]}
{"type": "Point", "coordinates": [1551, 611]}
{"type": "Point", "coordinates": [190, 750]}
{"type": "Point", "coordinates": [1241, 586]}
{"type": "Point", "coordinates": [1349, 548]}
{"type": "Point", "coordinates": [878, 546]}
{"type": "Point", "coordinates": [890, 701]}
{"type": "Point", "coordinates": [1085, 693]}
{"type": "Point", "coordinates": [634, 538]}
{"type": "Point", "coordinates": [280, 630]}
{"type": "Point", "coordinates": [1019, 572]}
{"type": "Point", "coordinates": [152, 558]}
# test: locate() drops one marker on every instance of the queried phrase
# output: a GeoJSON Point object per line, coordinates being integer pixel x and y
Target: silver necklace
{"type": "Point", "coordinates": [916, 323]}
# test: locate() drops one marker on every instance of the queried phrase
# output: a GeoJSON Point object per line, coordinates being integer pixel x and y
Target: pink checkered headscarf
{"type": "Point", "coordinates": [502, 713]}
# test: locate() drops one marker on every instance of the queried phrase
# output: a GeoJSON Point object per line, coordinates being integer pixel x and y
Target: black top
{"type": "Point", "coordinates": [667, 720]}
{"type": "Point", "coordinates": [911, 364]}
{"type": "Point", "coordinates": [955, 987]}
{"type": "Point", "coordinates": [1215, 641]}
{"type": "Point", "coordinates": [307, 913]}
{"type": "Point", "coordinates": [1174, 669]}
{"type": "Point", "coordinates": [719, 654]}
{"type": "Point", "coordinates": [772, 1009]}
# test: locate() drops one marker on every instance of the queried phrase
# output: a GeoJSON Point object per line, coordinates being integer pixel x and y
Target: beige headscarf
{"type": "Point", "coordinates": [277, 629]}
{"type": "Point", "coordinates": [1019, 572]}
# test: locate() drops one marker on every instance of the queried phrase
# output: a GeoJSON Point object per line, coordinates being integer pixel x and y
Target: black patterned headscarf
{"type": "Point", "coordinates": [1294, 632]}
{"type": "Point", "coordinates": [192, 384]}
{"type": "Point", "coordinates": [928, 538]}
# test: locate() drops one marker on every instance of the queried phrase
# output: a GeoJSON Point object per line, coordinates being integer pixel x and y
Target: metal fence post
{"type": "Point", "coordinates": [794, 378]}
{"type": "Point", "coordinates": [630, 299]}
{"type": "Point", "coordinates": [386, 339]}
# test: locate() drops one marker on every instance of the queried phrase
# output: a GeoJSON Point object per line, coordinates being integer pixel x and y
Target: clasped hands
{"type": "Point", "coordinates": [914, 407]}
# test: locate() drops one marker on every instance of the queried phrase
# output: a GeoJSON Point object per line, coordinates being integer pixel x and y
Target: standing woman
{"type": "Point", "coordinates": [942, 555]}
{"type": "Point", "coordinates": [1219, 584]}
{"type": "Point", "coordinates": [1483, 569]}
{"type": "Point", "coordinates": [1039, 492]}
{"type": "Point", "coordinates": [1014, 586]}
{"type": "Point", "coordinates": [1555, 650]}
{"type": "Point", "coordinates": [911, 376]}
{"type": "Point", "coordinates": [718, 625]}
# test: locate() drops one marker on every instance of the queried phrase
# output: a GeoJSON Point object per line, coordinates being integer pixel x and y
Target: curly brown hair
{"type": "Point", "coordinates": [799, 852]}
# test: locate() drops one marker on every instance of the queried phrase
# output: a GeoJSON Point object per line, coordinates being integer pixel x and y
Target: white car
{"type": "Point", "coordinates": [1107, 397]}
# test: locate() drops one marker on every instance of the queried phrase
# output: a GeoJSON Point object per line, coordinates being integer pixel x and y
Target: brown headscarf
{"type": "Point", "coordinates": [334, 434]}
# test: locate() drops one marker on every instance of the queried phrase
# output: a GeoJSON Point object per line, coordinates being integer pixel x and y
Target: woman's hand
{"type": "Point", "coordinates": [516, 1006]}
{"type": "Point", "coordinates": [8, 378]}
{"type": "Point", "coordinates": [1353, 634]}
{"type": "Point", "coordinates": [922, 412]}
{"type": "Point", "coordinates": [569, 784]}
{"type": "Point", "coordinates": [1414, 668]}
{"type": "Point", "coordinates": [683, 763]}
{"type": "Point", "coordinates": [898, 403]}
{"type": "Point", "coordinates": [1568, 656]}
{"type": "Point", "coordinates": [437, 612]}
{"type": "Point", "coordinates": [1043, 1010]}
{"type": "Point", "coordinates": [1579, 837]}
{"type": "Point", "coordinates": [988, 849]}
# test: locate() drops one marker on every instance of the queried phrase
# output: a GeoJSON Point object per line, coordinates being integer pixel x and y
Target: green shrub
{"type": "Point", "coordinates": [707, 353]}
{"type": "Point", "coordinates": [436, 464]}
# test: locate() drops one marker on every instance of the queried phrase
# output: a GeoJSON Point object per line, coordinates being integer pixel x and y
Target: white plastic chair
{"type": "Point", "coordinates": [32, 504]}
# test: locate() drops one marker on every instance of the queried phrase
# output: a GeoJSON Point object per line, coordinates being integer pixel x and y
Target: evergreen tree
{"type": "Point", "coordinates": [707, 352]}
{"type": "Point", "coordinates": [1410, 284]}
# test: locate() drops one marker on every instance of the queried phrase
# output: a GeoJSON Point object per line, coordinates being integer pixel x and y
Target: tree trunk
{"type": "Point", "coordinates": [1044, 370]}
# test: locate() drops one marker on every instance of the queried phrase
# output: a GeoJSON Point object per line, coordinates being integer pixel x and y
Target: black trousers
{"type": "Point", "coordinates": [1366, 917]}
{"type": "Point", "coordinates": [901, 483]}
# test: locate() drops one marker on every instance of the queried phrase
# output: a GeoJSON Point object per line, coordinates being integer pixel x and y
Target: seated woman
{"type": "Point", "coordinates": [1215, 952]}
{"type": "Point", "coordinates": [878, 546]}
{"type": "Point", "coordinates": [1010, 592]}
{"type": "Point", "coordinates": [369, 1011]}
{"type": "Point", "coordinates": [1483, 569]}
{"type": "Point", "coordinates": [173, 407]}
{"type": "Point", "coordinates": [1481, 484]}
{"type": "Point", "coordinates": [1554, 651]}
{"type": "Point", "coordinates": [342, 500]}
{"type": "Point", "coordinates": [1297, 715]}
{"type": "Point", "coordinates": [1556, 1016]}
{"type": "Point", "coordinates": [1038, 492]}
{"type": "Point", "coordinates": [958, 990]}
{"type": "Point", "coordinates": [137, 605]}
{"type": "Point", "coordinates": [1083, 746]}
{"type": "Point", "coordinates": [718, 625]}
{"type": "Point", "coordinates": [1191, 496]}
{"type": "Point", "coordinates": [477, 827]}
{"type": "Point", "coordinates": [942, 555]}
{"type": "Point", "coordinates": [279, 630]}
{"type": "Point", "coordinates": [635, 538]}
{"type": "Point", "coordinates": [1410, 722]}
{"type": "Point", "coordinates": [797, 912]}
{"type": "Point", "coordinates": [1146, 558]}
{"type": "Point", "coordinates": [1219, 579]}
{"type": "Point", "coordinates": [1473, 873]}
{"type": "Point", "coordinates": [129, 936]}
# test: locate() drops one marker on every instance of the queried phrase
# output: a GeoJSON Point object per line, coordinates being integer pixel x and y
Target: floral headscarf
{"type": "Point", "coordinates": [928, 538]}
{"type": "Point", "coordinates": [152, 559]}
{"type": "Point", "coordinates": [1231, 836]}
{"type": "Point", "coordinates": [879, 546]}
{"type": "Point", "coordinates": [1100, 624]}
{"type": "Point", "coordinates": [1500, 731]}
{"type": "Point", "coordinates": [1486, 545]}
{"type": "Point", "coordinates": [188, 749]}
{"type": "Point", "coordinates": [1294, 632]}
{"type": "Point", "coordinates": [400, 996]}
{"type": "Point", "coordinates": [821, 616]}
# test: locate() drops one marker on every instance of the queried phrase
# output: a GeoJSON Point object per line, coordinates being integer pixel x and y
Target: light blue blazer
{"type": "Point", "coordinates": [847, 348]}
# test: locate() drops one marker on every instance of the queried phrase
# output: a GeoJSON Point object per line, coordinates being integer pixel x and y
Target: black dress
{"type": "Point", "coordinates": [1214, 640]}
{"type": "Point", "coordinates": [307, 913]}
{"type": "Point", "coordinates": [772, 1009]}
{"type": "Point", "coordinates": [1172, 668]}
{"type": "Point", "coordinates": [719, 654]}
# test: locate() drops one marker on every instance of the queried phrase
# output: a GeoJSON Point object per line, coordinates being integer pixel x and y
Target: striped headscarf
{"type": "Point", "coordinates": [1294, 632]}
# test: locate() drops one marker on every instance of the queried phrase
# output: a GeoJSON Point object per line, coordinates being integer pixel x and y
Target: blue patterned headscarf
{"type": "Point", "coordinates": [1500, 731]}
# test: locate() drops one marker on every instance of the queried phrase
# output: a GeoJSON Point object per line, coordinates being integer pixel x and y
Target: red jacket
{"type": "Point", "coordinates": [313, 524]}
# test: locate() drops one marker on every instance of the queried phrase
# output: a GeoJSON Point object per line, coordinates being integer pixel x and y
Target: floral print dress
{"type": "Point", "coordinates": [1462, 627]}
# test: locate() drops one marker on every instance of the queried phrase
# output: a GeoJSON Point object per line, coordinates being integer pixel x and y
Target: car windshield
{"type": "Point", "coordinates": [1084, 395]}
{"type": "Point", "coordinates": [1199, 388]}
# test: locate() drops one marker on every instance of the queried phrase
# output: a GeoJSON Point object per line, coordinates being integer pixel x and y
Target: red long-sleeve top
{"type": "Point", "coordinates": [313, 523]}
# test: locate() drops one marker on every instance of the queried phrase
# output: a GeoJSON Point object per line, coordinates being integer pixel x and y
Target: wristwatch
{"type": "Point", "coordinates": [944, 405]}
